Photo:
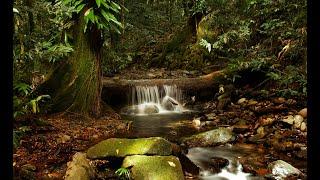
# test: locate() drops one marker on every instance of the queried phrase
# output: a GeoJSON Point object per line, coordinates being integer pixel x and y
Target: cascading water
{"type": "Point", "coordinates": [155, 99]}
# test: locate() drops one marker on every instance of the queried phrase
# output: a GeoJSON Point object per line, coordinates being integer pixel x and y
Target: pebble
{"type": "Point", "coordinates": [252, 102]}
{"type": "Point", "coordinates": [298, 119]}
{"type": "Point", "coordinates": [289, 119]}
{"type": "Point", "coordinates": [279, 100]}
{"type": "Point", "coordinates": [267, 121]}
{"type": "Point", "coordinates": [303, 112]}
{"type": "Point", "coordinates": [303, 126]}
{"type": "Point", "coordinates": [196, 122]}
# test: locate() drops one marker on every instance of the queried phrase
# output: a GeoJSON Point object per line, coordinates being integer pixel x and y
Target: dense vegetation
{"type": "Point", "coordinates": [63, 48]}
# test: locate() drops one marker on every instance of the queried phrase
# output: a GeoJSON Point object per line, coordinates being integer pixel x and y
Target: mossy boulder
{"type": "Point", "coordinates": [210, 138]}
{"type": "Point", "coordinates": [118, 147]}
{"type": "Point", "coordinates": [154, 167]}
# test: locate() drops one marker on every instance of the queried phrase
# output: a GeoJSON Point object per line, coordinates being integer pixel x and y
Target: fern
{"type": "Point", "coordinates": [123, 173]}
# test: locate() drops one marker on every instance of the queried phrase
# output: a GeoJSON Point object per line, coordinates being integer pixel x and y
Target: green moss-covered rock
{"type": "Point", "coordinates": [117, 147]}
{"type": "Point", "coordinates": [154, 167]}
{"type": "Point", "coordinates": [209, 138]}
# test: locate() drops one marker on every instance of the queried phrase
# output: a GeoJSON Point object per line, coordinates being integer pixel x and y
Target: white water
{"type": "Point", "coordinates": [166, 99]}
{"type": "Point", "coordinates": [201, 157]}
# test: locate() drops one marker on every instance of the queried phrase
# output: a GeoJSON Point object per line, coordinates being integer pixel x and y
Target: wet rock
{"type": "Point", "coordinates": [151, 109]}
{"type": "Point", "coordinates": [209, 138]}
{"type": "Point", "coordinates": [303, 112]}
{"type": "Point", "coordinates": [118, 147]}
{"type": "Point", "coordinates": [196, 122]}
{"type": "Point", "coordinates": [242, 100]}
{"type": "Point", "coordinates": [187, 165]}
{"type": "Point", "coordinates": [154, 167]}
{"type": "Point", "coordinates": [298, 119]}
{"type": "Point", "coordinates": [255, 166]}
{"type": "Point", "coordinates": [217, 163]}
{"type": "Point", "coordinates": [130, 110]}
{"type": "Point", "coordinates": [79, 168]}
{"type": "Point", "coordinates": [281, 169]}
{"type": "Point", "coordinates": [169, 103]}
{"type": "Point", "coordinates": [289, 119]}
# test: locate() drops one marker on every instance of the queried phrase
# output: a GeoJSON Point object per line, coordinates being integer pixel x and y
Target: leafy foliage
{"type": "Point", "coordinates": [23, 100]}
{"type": "Point", "coordinates": [123, 173]}
{"type": "Point", "coordinates": [101, 13]}
{"type": "Point", "coordinates": [259, 35]}
{"type": "Point", "coordinates": [205, 44]}
{"type": "Point", "coordinates": [18, 134]}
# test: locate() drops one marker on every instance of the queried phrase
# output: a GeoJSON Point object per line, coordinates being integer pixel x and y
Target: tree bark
{"type": "Point", "coordinates": [75, 85]}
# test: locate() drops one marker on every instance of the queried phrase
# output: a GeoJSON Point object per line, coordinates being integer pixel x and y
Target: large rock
{"type": "Point", "coordinates": [79, 168]}
{"type": "Point", "coordinates": [150, 109]}
{"type": "Point", "coordinates": [281, 169]}
{"type": "Point", "coordinates": [117, 147]}
{"type": "Point", "coordinates": [210, 138]}
{"type": "Point", "coordinates": [169, 103]}
{"type": "Point", "coordinates": [154, 167]}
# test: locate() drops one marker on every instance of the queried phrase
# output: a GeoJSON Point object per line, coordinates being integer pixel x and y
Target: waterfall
{"type": "Point", "coordinates": [155, 99]}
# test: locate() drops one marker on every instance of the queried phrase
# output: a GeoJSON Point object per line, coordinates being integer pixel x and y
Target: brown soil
{"type": "Point", "coordinates": [49, 147]}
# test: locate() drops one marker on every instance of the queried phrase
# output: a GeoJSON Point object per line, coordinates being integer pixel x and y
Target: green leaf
{"type": "Point", "coordinates": [98, 2]}
{"type": "Point", "coordinates": [80, 7]}
{"type": "Point", "coordinates": [33, 105]}
{"type": "Point", "coordinates": [115, 7]}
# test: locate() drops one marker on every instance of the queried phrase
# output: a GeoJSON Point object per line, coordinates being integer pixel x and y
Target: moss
{"type": "Point", "coordinates": [75, 85]}
{"type": "Point", "coordinates": [117, 147]}
{"type": "Point", "coordinates": [210, 138]}
{"type": "Point", "coordinates": [154, 167]}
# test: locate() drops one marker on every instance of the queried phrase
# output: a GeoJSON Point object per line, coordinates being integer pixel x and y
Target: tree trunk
{"type": "Point", "coordinates": [75, 85]}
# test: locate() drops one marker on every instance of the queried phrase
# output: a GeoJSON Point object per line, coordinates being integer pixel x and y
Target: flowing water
{"type": "Point", "coordinates": [146, 100]}
{"type": "Point", "coordinates": [202, 157]}
{"type": "Point", "coordinates": [159, 111]}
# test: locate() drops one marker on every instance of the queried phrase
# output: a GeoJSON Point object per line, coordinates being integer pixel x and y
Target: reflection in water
{"type": "Point", "coordinates": [170, 126]}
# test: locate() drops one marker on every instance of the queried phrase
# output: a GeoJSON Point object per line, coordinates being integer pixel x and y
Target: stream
{"type": "Point", "coordinates": [158, 111]}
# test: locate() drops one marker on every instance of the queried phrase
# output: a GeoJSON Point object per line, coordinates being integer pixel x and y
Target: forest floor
{"type": "Point", "coordinates": [50, 142]}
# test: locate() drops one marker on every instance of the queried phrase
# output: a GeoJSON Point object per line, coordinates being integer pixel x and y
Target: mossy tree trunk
{"type": "Point", "coordinates": [75, 85]}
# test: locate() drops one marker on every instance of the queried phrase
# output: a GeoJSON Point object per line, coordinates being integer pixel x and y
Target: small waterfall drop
{"type": "Point", "coordinates": [155, 99]}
